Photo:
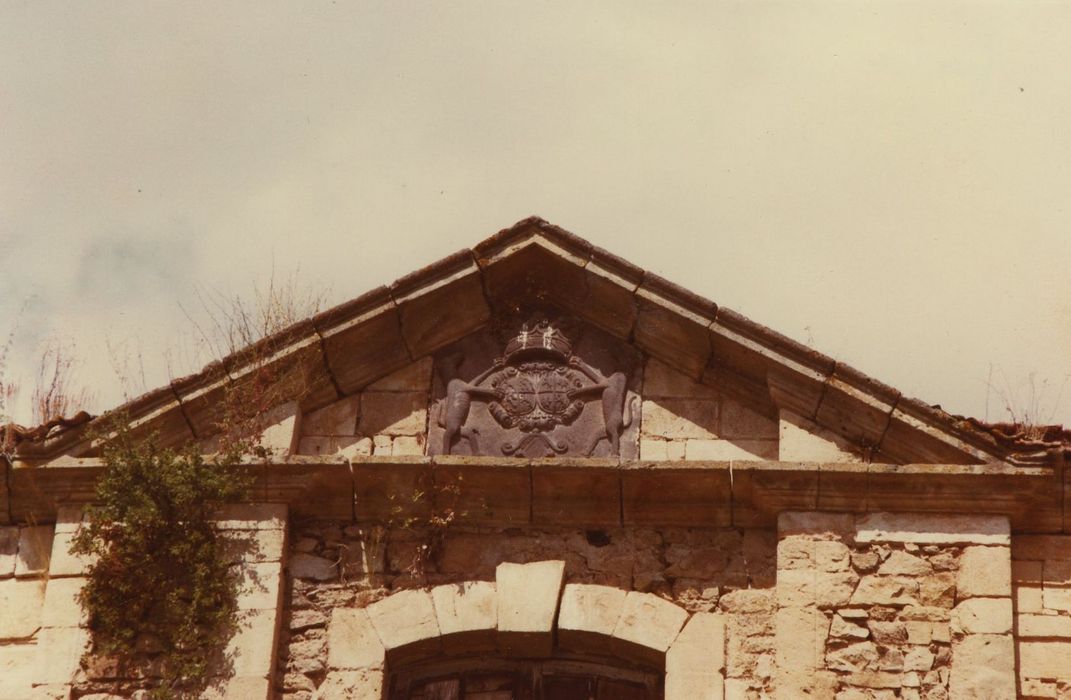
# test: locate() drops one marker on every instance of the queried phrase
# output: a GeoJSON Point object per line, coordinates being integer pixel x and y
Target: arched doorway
{"type": "Point", "coordinates": [559, 678]}
{"type": "Point", "coordinates": [526, 636]}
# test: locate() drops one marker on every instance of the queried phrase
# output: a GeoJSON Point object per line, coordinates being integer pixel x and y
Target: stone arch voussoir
{"type": "Point", "coordinates": [526, 612]}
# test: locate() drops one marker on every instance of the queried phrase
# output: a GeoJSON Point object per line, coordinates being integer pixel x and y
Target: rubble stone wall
{"type": "Point", "coordinates": [336, 566]}
{"type": "Point", "coordinates": [894, 606]}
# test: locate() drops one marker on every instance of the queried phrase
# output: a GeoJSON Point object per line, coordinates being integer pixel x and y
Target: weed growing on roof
{"type": "Point", "coordinates": [161, 591]}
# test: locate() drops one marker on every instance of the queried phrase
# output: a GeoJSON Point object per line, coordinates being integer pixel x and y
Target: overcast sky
{"type": "Point", "coordinates": [888, 183]}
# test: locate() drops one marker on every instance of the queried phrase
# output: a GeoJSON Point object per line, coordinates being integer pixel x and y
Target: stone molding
{"type": "Point", "coordinates": [607, 492]}
{"type": "Point", "coordinates": [522, 614]}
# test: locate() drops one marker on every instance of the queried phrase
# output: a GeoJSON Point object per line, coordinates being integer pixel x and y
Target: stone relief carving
{"type": "Point", "coordinates": [539, 397]}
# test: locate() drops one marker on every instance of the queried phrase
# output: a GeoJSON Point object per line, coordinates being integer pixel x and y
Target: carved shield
{"type": "Point", "coordinates": [553, 393]}
{"type": "Point", "coordinates": [518, 395]}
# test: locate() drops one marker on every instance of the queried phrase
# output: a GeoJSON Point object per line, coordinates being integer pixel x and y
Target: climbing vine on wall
{"type": "Point", "coordinates": [161, 592]}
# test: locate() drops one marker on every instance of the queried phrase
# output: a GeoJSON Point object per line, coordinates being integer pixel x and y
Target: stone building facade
{"type": "Point", "coordinates": [535, 470]}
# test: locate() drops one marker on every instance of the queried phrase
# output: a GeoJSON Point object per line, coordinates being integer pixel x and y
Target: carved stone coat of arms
{"type": "Point", "coordinates": [542, 399]}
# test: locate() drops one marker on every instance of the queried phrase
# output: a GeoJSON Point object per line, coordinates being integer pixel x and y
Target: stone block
{"type": "Point", "coordinates": [407, 446]}
{"type": "Point", "coordinates": [261, 584]}
{"type": "Point", "coordinates": [886, 590]}
{"type": "Point", "coordinates": [856, 406]}
{"type": "Point", "coordinates": [9, 546]}
{"type": "Point", "coordinates": [663, 495]}
{"type": "Point", "coordinates": [406, 624]}
{"type": "Point", "coordinates": [528, 596]}
{"type": "Point", "coordinates": [281, 434]}
{"type": "Point", "coordinates": [826, 556]}
{"type": "Point", "coordinates": [251, 687]}
{"type": "Point", "coordinates": [59, 651]}
{"type": "Point", "coordinates": [336, 419]}
{"type": "Point", "coordinates": [413, 377]}
{"type": "Point", "coordinates": [983, 666]}
{"type": "Point", "coordinates": [362, 340]}
{"type": "Point", "coordinates": [20, 601]}
{"type": "Point", "coordinates": [467, 615]}
{"type": "Point", "coordinates": [739, 421]}
{"type": "Point", "coordinates": [533, 267]}
{"type": "Point", "coordinates": [352, 641]}
{"type": "Point", "coordinates": [365, 684]}
{"type": "Point", "coordinates": [815, 524]}
{"type": "Point", "coordinates": [486, 492]}
{"type": "Point", "coordinates": [680, 418]}
{"type": "Point", "coordinates": [647, 627]}
{"type": "Point", "coordinates": [762, 490]}
{"type": "Point", "coordinates": [16, 669]}
{"type": "Point", "coordinates": [1056, 598]}
{"type": "Point", "coordinates": [335, 447]}
{"type": "Point", "coordinates": [61, 607]}
{"type": "Point", "coordinates": [252, 647]}
{"type": "Point", "coordinates": [799, 643]}
{"type": "Point", "coordinates": [662, 381]}
{"type": "Point", "coordinates": [694, 685]}
{"type": "Point", "coordinates": [63, 563]}
{"type": "Point", "coordinates": [919, 632]}
{"type": "Point", "coordinates": [1028, 599]}
{"type": "Point", "coordinates": [802, 440]}
{"type": "Point", "coordinates": [1044, 625]}
{"type": "Point", "coordinates": [983, 616]}
{"type": "Point", "coordinates": [588, 616]}
{"type": "Point", "coordinates": [901, 563]}
{"type": "Point", "coordinates": [1041, 547]}
{"type": "Point", "coordinates": [1048, 659]}
{"type": "Point", "coordinates": [611, 283]}
{"type": "Point", "coordinates": [35, 550]}
{"type": "Point", "coordinates": [673, 327]}
{"type": "Point", "coordinates": [984, 571]}
{"type": "Point", "coordinates": [730, 450]}
{"type": "Point", "coordinates": [1034, 688]}
{"type": "Point", "coordinates": [441, 303]}
{"type": "Point", "coordinates": [252, 516]}
{"type": "Point", "coordinates": [392, 491]}
{"type": "Point", "coordinates": [805, 587]}
{"type": "Point", "coordinates": [700, 645]}
{"type": "Point", "coordinates": [585, 496]}
{"type": "Point", "coordinates": [933, 529]}
{"type": "Point", "coordinates": [393, 413]}
{"type": "Point", "coordinates": [654, 450]}
{"type": "Point", "coordinates": [255, 546]}
{"type": "Point", "coordinates": [1058, 571]}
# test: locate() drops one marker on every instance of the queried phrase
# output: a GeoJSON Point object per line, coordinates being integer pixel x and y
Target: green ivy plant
{"type": "Point", "coordinates": [160, 589]}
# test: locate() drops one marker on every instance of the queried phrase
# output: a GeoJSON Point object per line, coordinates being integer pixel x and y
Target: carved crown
{"type": "Point", "coordinates": [538, 339]}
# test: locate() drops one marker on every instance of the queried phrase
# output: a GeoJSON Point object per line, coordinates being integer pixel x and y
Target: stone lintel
{"type": "Point", "coordinates": [497, 491]}
{"type": "Point", "coordinates": [675, 493]}
{"type": "Point", "coordinates": [483, 490]}
{"type": "Point", "coordinates": [574, 495]}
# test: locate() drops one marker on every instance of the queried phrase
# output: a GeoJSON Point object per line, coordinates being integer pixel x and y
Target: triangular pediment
{"type": "Point", "coordinates": [701, 381]}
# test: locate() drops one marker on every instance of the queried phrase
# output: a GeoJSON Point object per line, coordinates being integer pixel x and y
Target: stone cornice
{"type": "Point", "coordinates": [345, 348]}
{"type": "Point", "coordinates": [600, 492]}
